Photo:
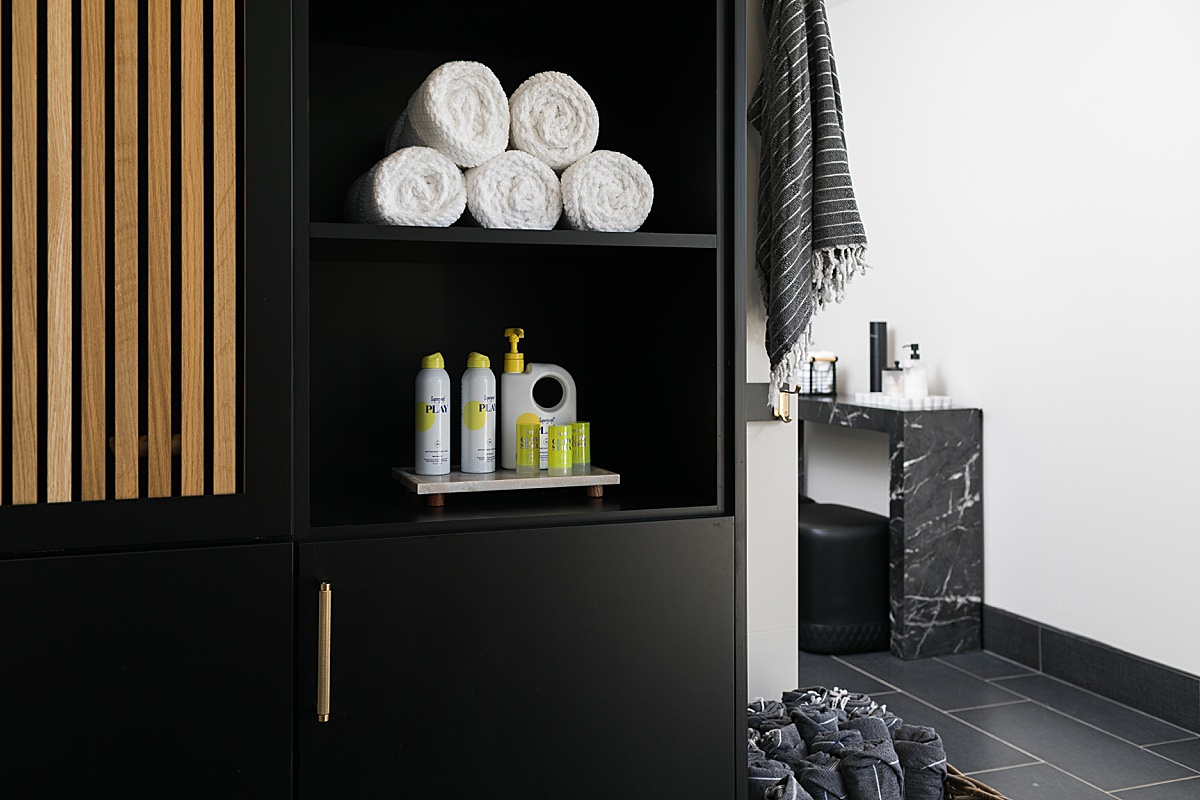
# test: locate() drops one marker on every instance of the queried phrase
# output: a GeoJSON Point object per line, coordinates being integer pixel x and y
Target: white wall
{"type": "Point", "coordinates": [1028, 176]}
{"type": "Point", "coordinates": [772, 618]}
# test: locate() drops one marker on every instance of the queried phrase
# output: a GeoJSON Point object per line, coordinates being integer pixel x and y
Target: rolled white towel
{"type": "Point", "coordinates": [459, 109]}
{"type": "Point", "coordinates": [554, 118]}
{"type": "Point", "coordinates": [514, 190]}
{"type": "Point", "coordinates": [606, 191]}
{"type": "Point", "coordinates": [412, 186]}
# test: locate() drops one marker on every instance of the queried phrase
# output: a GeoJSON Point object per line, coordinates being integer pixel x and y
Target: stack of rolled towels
{"type": "Point", "coordinates": [818, 743]}
{"type": "Point", "coordinates": [526, 162]}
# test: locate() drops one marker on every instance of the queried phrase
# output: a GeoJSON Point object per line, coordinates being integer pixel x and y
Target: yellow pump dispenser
{"type": "Point", "coordinates": [514, 361]}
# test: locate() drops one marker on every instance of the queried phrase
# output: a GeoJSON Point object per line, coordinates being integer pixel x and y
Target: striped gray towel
{"type": "Point", "coordinates": [811, 239]}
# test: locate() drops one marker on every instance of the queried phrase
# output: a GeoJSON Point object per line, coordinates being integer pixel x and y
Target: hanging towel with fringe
{"type": "Point", "coordinates": [811, 239]}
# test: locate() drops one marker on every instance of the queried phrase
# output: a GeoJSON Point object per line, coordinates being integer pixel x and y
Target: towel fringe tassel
{"type": "Point", "coordinates": [833, 267]}
{"type": "Point", "coordinates": [787, 372]}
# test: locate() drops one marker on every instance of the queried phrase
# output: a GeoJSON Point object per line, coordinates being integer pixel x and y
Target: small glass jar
{"type": "Point", "coordinates": [893, 381]}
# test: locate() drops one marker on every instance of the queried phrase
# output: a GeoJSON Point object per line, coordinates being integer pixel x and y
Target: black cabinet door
{"type": "Point", "coordinates": [148, 675]}
{"type": "Point", "coordinates": [585, 662]}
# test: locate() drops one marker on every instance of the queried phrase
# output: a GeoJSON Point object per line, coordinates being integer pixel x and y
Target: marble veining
{"type": "Point", "coordinates": [935, 530]}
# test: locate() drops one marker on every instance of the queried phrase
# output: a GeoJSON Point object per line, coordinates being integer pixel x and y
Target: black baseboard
{"type": "Point", "coordinates": [1158, 690]}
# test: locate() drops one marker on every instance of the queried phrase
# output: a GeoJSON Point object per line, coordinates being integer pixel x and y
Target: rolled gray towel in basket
{"type": "Point", "coordinates": [805, 696]}
{"type": "Point", "coordinates": [873, 773]}
{"type": "Point", "coordinates": [836, 742]}
{"type": "Point", "coordinates": [869, 727]}
{"type": "Point", "coordinates": [764, 715]}
{"type": "Point", "coordinates": [460, 109]}
{"type": "Point", "coordinates": [773, 780]}
{"type": "Point", "coordinates": [818, 775]}
{"type": "Point", "coordinates": [606, 191]}
{"type": "Point", "coordinates": [815, 719]}
{"type": "Point", "coordinates": [412, 186]}
{"type": "Point", "coordinates": [514, 190]}
{"type": "Point", "coordinates": [923, 759]}
{"type": "Point", "coordinates": [553, 118]}
{"type": "Point", "coordinates": [785, 745]}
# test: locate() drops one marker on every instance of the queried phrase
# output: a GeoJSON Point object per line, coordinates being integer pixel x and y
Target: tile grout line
{"type": "Point", "coordinates": [1020, 698]}
{"type": "Point", "coordinates": [1141, 747]}
{"type": "Point", "coordinates": [1060, 712]}
{"type": "Point", "coordinates": [1023, 698]}
{"type": "Point", "coordinates": [1172, 741]}
{"type": "Point", "coordinates": [1013, 702]}
{"type": "Point", "coordinates": [995, 681]}
{"type": "Point", "coordinates": [1026, 669]}
{"type": "Point", "coordinates": [1157, 783]}
{"type": "Point", "coordinates": [942, 711]}
{"type": "Point", "coordinates": [1098, 696]}
{"type": "Point", "coordinates": [1105, 699]}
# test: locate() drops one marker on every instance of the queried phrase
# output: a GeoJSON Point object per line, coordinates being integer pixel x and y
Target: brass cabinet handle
{"type": "Point", "coordinates": [324, 625]}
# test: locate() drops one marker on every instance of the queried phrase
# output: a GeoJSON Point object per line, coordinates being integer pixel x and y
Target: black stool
{"type": "Point", "coordinates": [843, 580]}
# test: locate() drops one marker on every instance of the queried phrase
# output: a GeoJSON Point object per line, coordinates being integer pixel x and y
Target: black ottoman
{"type": "Point", "coordinates": [843, 580]}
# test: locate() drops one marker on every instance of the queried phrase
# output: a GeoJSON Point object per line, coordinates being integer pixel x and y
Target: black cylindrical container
{"type": "Point", "coordinates": [878, 354]}
{"type": "Point", "coordinates": [843, 580]}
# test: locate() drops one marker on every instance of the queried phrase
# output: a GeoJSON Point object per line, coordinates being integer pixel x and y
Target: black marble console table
{"type": "Point", "coordinates": [936, 518]}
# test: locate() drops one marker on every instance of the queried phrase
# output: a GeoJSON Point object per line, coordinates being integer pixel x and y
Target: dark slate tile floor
{"type": "Point", "coordinates": [1025, 734]}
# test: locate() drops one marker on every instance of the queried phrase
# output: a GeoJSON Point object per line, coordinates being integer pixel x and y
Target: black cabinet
{"type": "Point", "coordinates": [148, 675]}
{"type": "Point", "coordinates": [590, 661]}
{"type": "Point", "coordinates": [538, 641]}
{"type": "Point", "coordinates": [151, 645]}
{"type": "Point", "coordinates": [148, 628]}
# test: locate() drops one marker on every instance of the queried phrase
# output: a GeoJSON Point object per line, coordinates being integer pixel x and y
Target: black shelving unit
{"type": "Point", "coordinates": [498, 608]}
{"type": "Point", "coordinates": [646, 322]}
{"type": "Point", "coordinates": [650, 324]}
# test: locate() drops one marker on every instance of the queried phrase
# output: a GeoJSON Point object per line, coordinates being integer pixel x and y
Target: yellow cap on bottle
{"type": "Point", "coordinates": [478, 360]}
{"type": "Point", "coordinates": [514, 361]}
{"type": "Point", "coordinates": [433, 362]}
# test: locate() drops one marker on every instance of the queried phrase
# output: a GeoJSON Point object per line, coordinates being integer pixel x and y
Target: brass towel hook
{"type": "Point", "coordinates": [783, 409]}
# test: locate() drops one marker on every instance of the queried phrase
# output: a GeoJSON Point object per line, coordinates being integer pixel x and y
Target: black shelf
{"type": "Point", "coordinates": [341, 242]}
{"type": "Point", "coordinates": [364, 502]}
{"type": "Point", "coordinates": [347, 233]}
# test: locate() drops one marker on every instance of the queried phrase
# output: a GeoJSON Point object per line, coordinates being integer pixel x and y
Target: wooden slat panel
{"type": "Point", "coordinates": [224, 248]}
{"type": "Point", "coordinates": [92, 250]}
{"type": "Point", "coordinates": [191, 56]}
{"type": "Point", "coordinates": [58, 251]}
{"type": "Point", "coordinates": [158, 253]}
{"type": "Point", "coordinates": [24, 253]}
{"type": "Point", "coordinates": [125, 247]}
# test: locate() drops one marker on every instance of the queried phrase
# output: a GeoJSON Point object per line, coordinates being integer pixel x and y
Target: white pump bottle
{"type": "Point", "coordinates": [517, 403]}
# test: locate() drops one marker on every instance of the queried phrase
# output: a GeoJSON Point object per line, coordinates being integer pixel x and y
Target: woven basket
{"type": "Point", "coordinates": [960, 787]}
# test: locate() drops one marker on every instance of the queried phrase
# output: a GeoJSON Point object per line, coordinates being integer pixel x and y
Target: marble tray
{"type": "Point", "coordinates": [435, 486]}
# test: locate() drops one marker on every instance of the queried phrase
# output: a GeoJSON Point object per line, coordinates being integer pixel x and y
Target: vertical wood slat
{"type": "Point", "coordinates": [158, 253]}
{"type": "Point", "coordinates": [125, 247]}
{"type": "Point", "coordinates": [59, 256]}
{"type": "Point", "coordinates": [92, 312]}
{"type": "Point", "coordinates": [192, 118]}
{"type": "Point", "coordinates": [46, 276]}
{"type": "Point", "coordinates": [24, 254]}
{"type": "Point", "coordinates": [224, 248]}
